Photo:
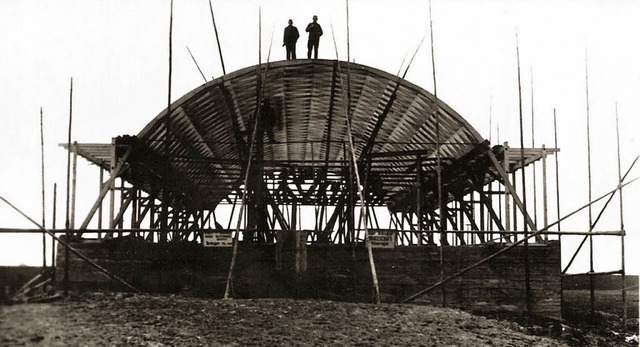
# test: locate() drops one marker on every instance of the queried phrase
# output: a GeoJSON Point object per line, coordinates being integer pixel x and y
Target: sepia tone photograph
{"type": "Point", "coordinates": [313, 173]}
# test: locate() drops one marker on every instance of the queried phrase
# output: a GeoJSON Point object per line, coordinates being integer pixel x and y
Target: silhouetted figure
{"type": "Point", "coordinates": [268, 119]}
{"type": "Point", "coordinates": [291, 35]}
{"type": "Point", "coordinates": [315, 31]}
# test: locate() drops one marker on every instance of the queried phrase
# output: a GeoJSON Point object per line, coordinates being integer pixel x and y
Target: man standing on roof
{"type": "Point", "coordinates": [291, 35]}
{"type": "Point", "coordinates": [315, 31]}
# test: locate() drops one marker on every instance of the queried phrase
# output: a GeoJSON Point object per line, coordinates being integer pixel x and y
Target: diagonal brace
{"type": "Point", "coordinates": [105, 189]}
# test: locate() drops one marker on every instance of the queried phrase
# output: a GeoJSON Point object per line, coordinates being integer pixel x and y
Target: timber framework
{"type": "Point", "coordinates": [267, 147]}
{"type": "Point", "coordinates": [169, 180]}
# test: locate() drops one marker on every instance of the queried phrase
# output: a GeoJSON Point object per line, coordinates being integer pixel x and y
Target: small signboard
{"type": "Point", "coordinates": [217, 239]}
{"type": "Point", "coordinates": [383, 239]}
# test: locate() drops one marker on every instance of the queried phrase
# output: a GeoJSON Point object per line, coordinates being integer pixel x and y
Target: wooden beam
{"type": "Point", "coordinates": [514, 195]}
{"type": "Point", "coordinates": [71, 249]}
{"type": "Point", "coordinates": [243, 151]}
{"type": "Point", "coordinates": [381, 118]}
{"type": "Point", "coordinates": [123, 207]}
{"type": "Point", "coordinates": [105, 189]}
{"type": "Point", "coordinates": [330, 116]}
{"type": "Point", "coordinates": [493, 214]}
{"type": "Point", "coordinates": [511, 246]}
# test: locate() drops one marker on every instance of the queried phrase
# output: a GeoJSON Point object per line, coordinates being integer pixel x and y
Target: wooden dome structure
{"type": "Point", "coordinates": [286, 122]}
{"type": "Point", "coordinates": [209, 130]}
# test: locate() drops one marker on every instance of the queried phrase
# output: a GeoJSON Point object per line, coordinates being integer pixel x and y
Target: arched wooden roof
{"type": "Point", "coordinates": [392, 119]}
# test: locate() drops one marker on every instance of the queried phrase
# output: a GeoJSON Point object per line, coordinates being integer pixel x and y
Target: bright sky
{"type": "Point", "coordinates": [117, 54]}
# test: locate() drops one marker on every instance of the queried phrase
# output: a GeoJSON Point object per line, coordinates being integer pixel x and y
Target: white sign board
{"type": "Point", "coordinates": [212, 239]}
{"type": "Point", "coordinates": [383, 240]}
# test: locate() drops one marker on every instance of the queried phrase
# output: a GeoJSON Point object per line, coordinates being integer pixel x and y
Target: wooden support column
{"type": "Point", "coordinates": [124, 204]}
{"type": "Point", "coordinates": [100, 206]}
{"type": "Point", "coordinates": [296, 234]}
{"type": "Point", "coordinates": [444, 213]}
{"type": "Point", "coordinates": [495, 217]}
{"type": "Point", "coordinates": [74, 175]}
{"type": "Point", "coordinates": [112, 186]}
{"type": "Point", "coordinates": [257, 202]}
{"type": "Point", "coordinates": [622, 230]}
{"type": "Point", "coordinates": [152, 217]}
{"type": "Point", "coordinates": [53, 227]}
{"type": "Point", "coordinates": [419, 196]}
{"type": "Point", "coordinates": [351, 205]}
{"type": "Point", "coordinates": [483, 225]}
{"type": "Point", "coordinates": [280, 235]}
{"type": "Point", "coordinates": [545, 206]}
{"type": "Point", "coordinates": [517, 201]}
{"type": "Point", "coordinates": [514, 183]}
{"type": "Point", "coordinates": [106, 187]}
{"type": "Point", "coordinates": [163, 220]}
{"type": "Point", "coordinates": [302, 250]}
{"type": "Point", "coordinates": [507, 194]}
{"type": "Point", "coordinates": [465, 208]}
{"type": "Point", "coordinates": [119, 223]}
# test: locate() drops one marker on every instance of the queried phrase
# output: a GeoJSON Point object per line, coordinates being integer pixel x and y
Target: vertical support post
{"type": "Point", "coordinates": [507, 194]}
{"type": "Point", "coordinates": [121, 203]}
{"type": "Point", "coordinates": [164, 214]}
{"type": "Point", "coordinates": [152, 215]}
{"type": "Point", "coordinates": [351, 225]}
{"type": "Point", "coordinates": [67, 230]}
{"type": "Point", "coordinates": [419, 196]}
{"type": "Point", "coordinates": [280, 236]}
{"type": "Point", "coordinates": [53, 228]}
{"type": "Point", "coordinates": [557, 171]}
{"type": "Point", "coordinates": [527, 274]}
{"type": "Point", "coordinates": [533, 165]}
{"type": "Point", "coordinates": [500, 214]}
{"type": "Point", "coordinates": [622, 231]}
{"type": "Point", "coordinates": [112, 187]}
{"type": "Point", "coordinates": [557, 167]}
{"type": "Point", "coordinates": [591, 269]}
{"type": "Point", "coordinates": [296, 233]}
{"type": "Point", "coordinates": [74, 177]}
{"type": "Point", "coordinates": [545, 206]}
{"type": "Point", "coordinates": [134, 210]}
{"type": "Point", "coordinates": [514, 180]}
{"type": "Point", "coordinates": [44, 234]}
{"type": "Point", "coordinates": [100, 206]}
{"type": "Point", "coordinates": [234, 252]}
{"type": "Point", "coordinates": [485, 207]}
{"type": "Point", "coordinates": [483, 226]}
{"type": "Point", "coordinates": [436, 114]}
{"type": "Point", "coordinates": [372, 266]}
{"type": "Point", "coordinates": [514, 215]}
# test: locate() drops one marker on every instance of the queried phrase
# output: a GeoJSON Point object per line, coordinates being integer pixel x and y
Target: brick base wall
{"type": "Point", "coordinates": [336, 272]}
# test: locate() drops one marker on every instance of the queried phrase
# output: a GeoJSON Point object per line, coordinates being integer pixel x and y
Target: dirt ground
{"type": "Point", "coordinates": [100, 319]}
{"type": "Point", "coordinates": [153, 320]}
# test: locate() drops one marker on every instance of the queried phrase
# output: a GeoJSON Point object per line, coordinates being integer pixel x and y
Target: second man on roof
{"type": "Point", "coordinates": [291, 36]}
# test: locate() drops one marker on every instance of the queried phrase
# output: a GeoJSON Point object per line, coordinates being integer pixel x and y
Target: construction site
{"type": "Point", "coordinates": [322, 179]}
{"type": "Point", "coordinates": [249, 187]}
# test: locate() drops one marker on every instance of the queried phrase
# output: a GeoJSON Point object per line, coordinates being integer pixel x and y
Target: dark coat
{"type": "Point", "coordinates": [291, 35]}
{"type": "Point", "coordinates": [314, 30]}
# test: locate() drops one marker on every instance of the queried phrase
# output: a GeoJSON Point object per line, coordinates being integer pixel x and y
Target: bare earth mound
{"type": "Point", "coordinates": [153, 320]}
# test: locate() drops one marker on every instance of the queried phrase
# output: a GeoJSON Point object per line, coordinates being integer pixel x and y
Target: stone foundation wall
{"type": "Point", "coordinates": [336, 272]}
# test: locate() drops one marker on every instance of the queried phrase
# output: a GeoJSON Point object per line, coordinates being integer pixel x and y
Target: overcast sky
{"type": "Point", "coordinates": [117, 54]}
